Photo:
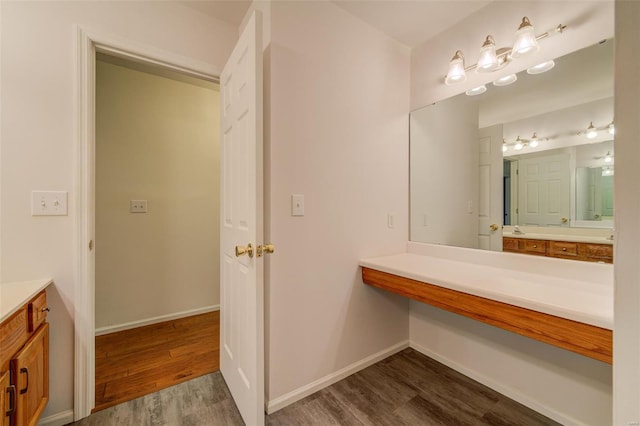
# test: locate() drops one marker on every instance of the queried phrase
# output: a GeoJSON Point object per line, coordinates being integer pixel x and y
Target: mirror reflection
{"type": "Point", "coordinates": [536, 156]}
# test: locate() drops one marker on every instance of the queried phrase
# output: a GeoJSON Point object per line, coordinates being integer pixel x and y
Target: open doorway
{"type": "Point", "coordinates": [157, 291]}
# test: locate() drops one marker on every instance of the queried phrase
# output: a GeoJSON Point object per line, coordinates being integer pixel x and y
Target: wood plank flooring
{"type": "Point", "coordinates": [137, 362]}
{"type": "Point", "coordinates": [407, 388]}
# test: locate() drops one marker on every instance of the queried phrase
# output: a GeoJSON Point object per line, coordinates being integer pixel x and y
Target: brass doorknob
{"type": "Point", "coordinates": [266, 249]}
{"type": "Point", "coordinates": [242, 250]}
{"type": "Point", "coordinates": [564, 220]}
{"type": "Point", "coordinates": [494, 226]}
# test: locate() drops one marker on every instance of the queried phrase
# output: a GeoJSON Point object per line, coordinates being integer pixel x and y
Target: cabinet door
{"type": "Point", "coordinates": [7, 398]}
{"type": "Point", "coordinates": [30, 375]}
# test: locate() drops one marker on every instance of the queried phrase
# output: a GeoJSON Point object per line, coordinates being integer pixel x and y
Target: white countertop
{"type": "Point", "coordinates": [580, 300]}
{"type": "Point", "coordinates": [14, 295]}
{"type": "Point", "coordinates": [560, 237]}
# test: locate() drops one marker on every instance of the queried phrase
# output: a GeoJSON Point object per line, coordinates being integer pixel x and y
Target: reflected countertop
{"type": "Point", "coordinates": [576, 235]}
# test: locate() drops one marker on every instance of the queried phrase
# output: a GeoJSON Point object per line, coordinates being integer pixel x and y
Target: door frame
{"type": "Point", "coordinates": [88, 43]}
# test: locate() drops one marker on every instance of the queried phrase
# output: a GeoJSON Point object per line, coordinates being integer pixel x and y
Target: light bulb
{"type": "Point", "coordinates": [456, 73]}
{"type": "Point", "coordinates": [506, 80]}
{"type": "Point", "coordinates": [488, 60]}
{"type": "Point", "coordinates": [504, 147]}
{"type": "Point", "coordinates": [612, 129]}
{"type": "Point", "coordinates": [608, 158]}
{"type": "Point", "coordinates": [540, 68]}
{"type": "Point", "coordinates": [591, 131]}
{"type": "Point", "coordinates": [476, 91]}
{"type": "Point", "coordinates": [519, 145]}
{"type": "Point", "coordinates": [534, 141]}
{"type": "Point", "coordinates": [525, 40]}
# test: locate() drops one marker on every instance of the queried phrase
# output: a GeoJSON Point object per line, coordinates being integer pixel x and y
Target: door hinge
{"type": "Point", "coordinates": [90, 245]}
{"type": "Point", "coordinates": [517, 211]}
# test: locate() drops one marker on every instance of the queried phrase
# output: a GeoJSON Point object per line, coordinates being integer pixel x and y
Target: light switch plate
{"type": "Point", "coordinates": [49, 203]}
{"type": "Point", "coordinates": [138, 206]}
{"type": "Point", "coordinates": [297, 205]}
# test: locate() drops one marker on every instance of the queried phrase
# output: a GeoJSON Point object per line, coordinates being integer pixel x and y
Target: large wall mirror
{"type": "Point", "coordinates": [508, 164]}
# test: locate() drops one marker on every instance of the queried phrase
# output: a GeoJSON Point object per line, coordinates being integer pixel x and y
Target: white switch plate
{"type": "Point", "coordinates": [138, 206]}
{"type": "Point", "coordinates": [49, 203]}
{"type": "Point", "coordinates": [297, 205]}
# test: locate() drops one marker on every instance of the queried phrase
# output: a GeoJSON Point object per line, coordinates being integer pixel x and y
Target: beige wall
{"type": "Point", "coordinates": [39, 136]}
{"type": "Point", "coordinates": [568, 387]}
{"type": "Point", "coordinates": [338, 97]}
{"type": "Point", "coordinates": [157, 139]}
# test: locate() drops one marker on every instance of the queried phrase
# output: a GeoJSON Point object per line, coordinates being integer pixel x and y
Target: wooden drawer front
{"type": "Point", "coordinates": [535, 246]}
{"type": "Point", "coordinates": [510, 244]}
{"type": "Point", "coordinates": [597, 252]}
{"type": "Point", "coordinates": [563, 248]}
{"type": "Point", "coordinates": [37, 311]}
{"type": "Point", "coordinates": [13, 335]}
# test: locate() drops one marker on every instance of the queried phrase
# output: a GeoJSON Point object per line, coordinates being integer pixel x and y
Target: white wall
{"type": "Point", "coordinates": [39, 135]}
{"type": "Point", "coordinates": [444, 169]}
{"type": "Point", "coordinates": [626, 348]}
{"type": "Point", "coordinates": [339, 98]}
{"type": "Point", "coordinates": [157, 139]}
{"type": "Point", "coordinates": [569, 387]}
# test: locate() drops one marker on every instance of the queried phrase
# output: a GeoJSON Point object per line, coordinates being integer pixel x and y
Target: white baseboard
{"type": "Point", "coordinates": [499, 387]}
{"type": "Point", "coordinates": [148, 321]}
{"type": "Point", "coordinates": [59, 419]}
{"type": "Point", "coordinates": [306, 390]}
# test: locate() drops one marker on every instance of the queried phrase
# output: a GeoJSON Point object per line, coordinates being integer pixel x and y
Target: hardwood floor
{"type": "Point", "coordinates": [137, 362]}
{"type": "Point", "coordinates": [407, 388]}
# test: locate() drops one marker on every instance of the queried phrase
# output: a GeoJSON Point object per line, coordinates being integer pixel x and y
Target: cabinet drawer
{"type": "Point", "coordinates": [535, 246]}
{"type": "Point", "coordinates": [37, 311]}
{"type": "Point", "coordinates": [597, 252]}
{"type": "Point", "coordinates": [563, 248]}
{"type": "Point", "coordinates": [510, 244]}
{"type": "Point", "coordinates": [13, 334]}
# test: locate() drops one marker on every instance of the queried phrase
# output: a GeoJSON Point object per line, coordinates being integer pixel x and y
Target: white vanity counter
{"type": "Point", "coordinates": [14, 295]}
{"type": "Point", "coordinates": [574, 235]}
{"type": "Point", "coordinates": [579, 291]}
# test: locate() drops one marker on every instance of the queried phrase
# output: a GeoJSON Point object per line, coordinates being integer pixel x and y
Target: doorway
{"type": "Point", "coordinates": [157, 289]}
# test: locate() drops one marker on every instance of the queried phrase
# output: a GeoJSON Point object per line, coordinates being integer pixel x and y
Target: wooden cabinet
{"type": "Point", "coordinates": [590, 252]}
{"type": "Point", "coordinates": [24, 364]}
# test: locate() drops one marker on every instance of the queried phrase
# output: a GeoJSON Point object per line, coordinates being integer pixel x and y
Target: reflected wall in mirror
{"type": "Point", "coordinates": [536, 156]}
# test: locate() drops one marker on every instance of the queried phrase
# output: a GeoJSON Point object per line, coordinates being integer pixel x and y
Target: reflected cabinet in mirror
{"type": "Point", "coordinates": [527, 167]}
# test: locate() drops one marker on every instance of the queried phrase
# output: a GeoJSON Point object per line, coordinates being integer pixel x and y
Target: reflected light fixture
{"type": "Point", "coordinates": [476, 91]}
{"type": "Point", "coordinates": [608, 158]}
{"type": "Point", "coordinates": [526, 41]}
{"type": "Point", "coordinates": [607, 171]}
{"type": "Point", "coordinates": [542, 67]}
{"type": "Point", "coordinates": [612, 129]}
{"type": "Point", "coordinates": [592, 132]}
{"type": "Point", "coordinates": [506, 80]}
{"type": "Point", "coordinates": [519, 145]}
{"type": "Point", "coordinates": [488, 60]}
{"type": "Point", "coordinates": [457, 73]}
{"type": "Point", "coordinates": [534, 140]}
{"type": "Point", "coordinates": [504, 146]}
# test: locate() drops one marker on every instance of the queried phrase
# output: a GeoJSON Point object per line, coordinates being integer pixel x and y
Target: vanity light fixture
{"type": "Point", "coordinates": [526, 41]}
{"type": "Point", "coordinates": [608, 158]}
{"type": "Point", "coordinates": [542, 67]}
{"type": "Point", "coordinates": [457, 72]}
{"type": "Point", "coordinates": [592, 132]}
{"type": "Point", "coordinates": [488, 60]}
{"type": "Point", "coordinates": [492, 59]}
{"type": "Point", "coordinates": [533, 142]}
{"type": "Point", "coordinates": [476, 91]}
{"type": "Point", "coordinates": [607, 171]}
{"type": "Point", "coordinates": [612, 129]}
{"type": "Point", "coordinates": [506, 80]}
{"type": "Point", "coordinates": [504, 145]}
{"type": "Point", "coordinates": [519, 144]}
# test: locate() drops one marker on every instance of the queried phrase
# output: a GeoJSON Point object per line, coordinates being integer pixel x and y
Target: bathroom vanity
{"type": "Point", "coordinates": [24, 352]}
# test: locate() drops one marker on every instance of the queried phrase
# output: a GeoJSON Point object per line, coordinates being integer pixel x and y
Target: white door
{"type": "Point", "coordinates": [241, 275]}
{"type": "Point", "coordinates": [490, 191]}
{"type": "Point", "coordinates": [544, 185]}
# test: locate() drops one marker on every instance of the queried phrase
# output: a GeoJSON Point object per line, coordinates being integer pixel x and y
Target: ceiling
{"type": "Point", "coordinates": [411, 22]}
